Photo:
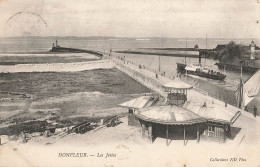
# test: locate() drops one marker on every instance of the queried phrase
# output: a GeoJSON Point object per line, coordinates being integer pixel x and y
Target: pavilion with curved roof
{"type": "Point", "coordinates": [177, 84]}
{"type": "Point", "coordinates": [180, 118]}
{"type": "Point", "coordinates": [166, 115]}
{"type": "Point", "coordinates": [169, 115]}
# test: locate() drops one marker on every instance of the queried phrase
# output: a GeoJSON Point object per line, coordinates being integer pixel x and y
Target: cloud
{"type": "Point", "coordinates": [167, 18]}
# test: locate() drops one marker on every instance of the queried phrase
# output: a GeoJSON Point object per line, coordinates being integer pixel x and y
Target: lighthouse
{"type": "Point", "coordinates": [252, 50]}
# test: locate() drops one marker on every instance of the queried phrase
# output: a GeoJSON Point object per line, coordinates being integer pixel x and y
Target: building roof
{"type": "Point", "coordinates": [251, 88]}
{"type": "Point", "coordinates": [140, 102]}
{"type": "Point", "coordinates": [213, 112]}
{"type": "Point", "coordinates": [169, 114]}
{"type": "Point", "coordinates": [177, 83]}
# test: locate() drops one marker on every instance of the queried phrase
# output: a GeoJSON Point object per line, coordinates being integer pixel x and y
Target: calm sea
{"type": "Point", "coordinates": [168, 64]}
{"type": "Point", "coordinates": [41, 44]}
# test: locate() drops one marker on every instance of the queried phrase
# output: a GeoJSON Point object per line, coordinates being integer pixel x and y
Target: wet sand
{"type": "Point", "coordinates": [65, 98]}
{"type": "Point", "coordinates": [30, 58]}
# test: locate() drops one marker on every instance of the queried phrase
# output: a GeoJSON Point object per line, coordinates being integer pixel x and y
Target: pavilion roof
{"type": "Point", "coordinates": [169, 114]}
{"type": "Point", "coordinates": [177, 83]}
{"type": "Point", "coordinates": [213, 112]}
{"type": "Point", "coordinates": [140, 102]}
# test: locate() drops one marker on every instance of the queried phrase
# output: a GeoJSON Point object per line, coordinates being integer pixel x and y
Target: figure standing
{"type": "Point", "coordinates": [156, 75]}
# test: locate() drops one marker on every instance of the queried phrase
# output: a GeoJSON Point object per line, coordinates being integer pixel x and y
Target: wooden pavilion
{"type": "Point", "coordinates": [157, 120]}
{"type": "Point", "coordinates": [176, 91]}
{"type": "Point", "coordinates": [219, 120]}
{"type": "Point", "coordinates": [138, 103]}
{"type": "Point", "coordinates": [179, 118]}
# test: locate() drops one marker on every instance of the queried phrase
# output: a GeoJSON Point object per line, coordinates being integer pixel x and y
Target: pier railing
{"type": "Point", "coordinates": [146, 80]}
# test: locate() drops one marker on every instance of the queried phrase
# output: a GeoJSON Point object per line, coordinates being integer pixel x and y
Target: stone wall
{"type": "Point", "coordinates": [147, 81]}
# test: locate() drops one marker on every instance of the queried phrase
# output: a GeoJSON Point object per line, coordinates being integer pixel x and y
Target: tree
{"type": "Point", "coordinates": [231, 51]}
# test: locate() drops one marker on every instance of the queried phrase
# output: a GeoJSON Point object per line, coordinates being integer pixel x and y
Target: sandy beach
{"type": "Point", "coordinates": [65, 98]}
{"type": "Point", "coordinates": [123, 145]}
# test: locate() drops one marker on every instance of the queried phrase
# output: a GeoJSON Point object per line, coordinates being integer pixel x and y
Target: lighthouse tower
{"type": "Point", "coordinates": [252, 50]}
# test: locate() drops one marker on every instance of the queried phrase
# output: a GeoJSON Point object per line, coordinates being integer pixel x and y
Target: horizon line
{"type": "Point", "coordinates": [54, 36]}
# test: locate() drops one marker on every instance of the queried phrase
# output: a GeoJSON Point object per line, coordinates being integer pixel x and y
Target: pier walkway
{"type": "Point", "coordinates": [148, 79]}
{"type": "Point", "coordinates": [142, 75]}
{"type": "Point", "coordinates": [247, 124]}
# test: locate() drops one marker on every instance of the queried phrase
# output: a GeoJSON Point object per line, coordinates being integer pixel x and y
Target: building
{"type": "Point", "coordinates": [252, 50]}
{"type": "Point", "coordinates": [219, 120]}
{"type": "Point", "coordinates": [138, 103]}
{"type": "Point", "coordinates": [177, 118]}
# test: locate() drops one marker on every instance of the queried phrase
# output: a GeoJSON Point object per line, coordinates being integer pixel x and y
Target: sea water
{"type": "Point", "coordinates": [167, 63]}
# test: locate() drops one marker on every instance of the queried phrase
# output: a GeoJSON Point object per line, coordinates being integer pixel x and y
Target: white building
{"type": "Point", "coordinates": [252, 50]}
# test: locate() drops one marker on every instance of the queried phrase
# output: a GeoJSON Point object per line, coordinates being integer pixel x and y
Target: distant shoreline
{"type": "Point", "coordinates": [161, 54]}
{"type": "Point", "coordinates": [47, 52]}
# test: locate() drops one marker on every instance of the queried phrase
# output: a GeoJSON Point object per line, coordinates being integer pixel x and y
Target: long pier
{"type": "Point", "coordinates": [148, 79]}
{"type": "Point", "coordinates": [58, 49]}
{"type": "Point", "coordinates": [141, 75]}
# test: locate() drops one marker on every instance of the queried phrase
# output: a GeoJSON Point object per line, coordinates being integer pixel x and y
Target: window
{"type": "Point", "coordinates": [211, 128]}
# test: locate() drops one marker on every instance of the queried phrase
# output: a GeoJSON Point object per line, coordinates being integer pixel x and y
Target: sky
{"type": "Point", "coordinates": [131, 18]}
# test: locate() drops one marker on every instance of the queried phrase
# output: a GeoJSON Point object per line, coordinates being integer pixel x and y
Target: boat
{"type": "Point", "coordinates": [181, 67]}
{"type": "Point", "coordinates": [199, 70]}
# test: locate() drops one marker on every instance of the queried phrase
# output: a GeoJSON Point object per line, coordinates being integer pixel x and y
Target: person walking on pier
{"type": "Point", "coordinates": [156, 75]}
{"type": "Point", "coordinates": [255, 111]}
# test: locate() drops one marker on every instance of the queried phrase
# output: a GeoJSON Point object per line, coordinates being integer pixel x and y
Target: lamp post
{"type": "Point", "coordinates": [241, 85]}
{"type": "Point", "coordinates": [241, 69]}
{"type": "Point", "coordinates": [186, 50]}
